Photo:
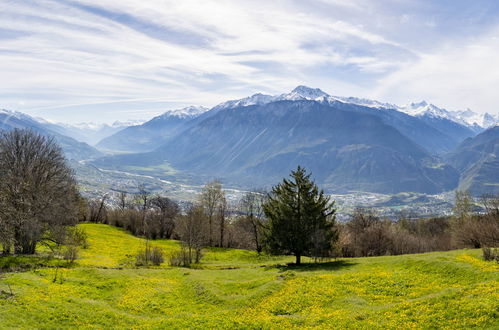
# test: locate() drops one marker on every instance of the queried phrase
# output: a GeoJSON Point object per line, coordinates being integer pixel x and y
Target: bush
{"type": "Point", "coordinates": [490, 254]}
{"type": "Point", "coordinates": [185, 257]}
{"type": "Point", "coordinates": [76, 237]}
{"type": "Point", "coordinates": [179, 259]}
{"type": "Point", "coordinates": [70, 253]}
{"type": "Point", "coordinates": [150, 255]}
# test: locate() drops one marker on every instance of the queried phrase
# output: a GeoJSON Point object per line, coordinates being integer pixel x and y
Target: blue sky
{"type": "Point", "coordinates": [100, 61]}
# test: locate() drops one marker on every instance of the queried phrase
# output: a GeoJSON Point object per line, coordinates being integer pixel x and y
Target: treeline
{"type": "Point", "coordinates": [40, 204]}
{"type": "Point", "coordinates": [213, 221]}
{"type": "Point", "coordinates": [219, 222]}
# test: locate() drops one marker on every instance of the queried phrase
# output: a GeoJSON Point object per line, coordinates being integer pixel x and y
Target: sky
{"type": "Point", "coordinates": [105, 60]}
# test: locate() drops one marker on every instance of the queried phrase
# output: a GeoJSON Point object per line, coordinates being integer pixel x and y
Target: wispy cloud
{"type": "Point", "coordinates": [78, 59]}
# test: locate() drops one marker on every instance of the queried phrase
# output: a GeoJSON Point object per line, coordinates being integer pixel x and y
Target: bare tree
{"type": "Point", "coordinates": [122, 200]}
{"type": "Point", "coordinates": [166, 210]}
{"type": "Point", "coordinates": [191, 229]}
{"type": "Point", "coordinates": [38, 191]}
{"type": "Point", "coordinates": [143, 203]}
{"type": "Point", "coordinates": [223, 212]}
{"type": "Point", "coordinates": [97, 209]}
{"type": "Point", "coordinates": [210, 199]}
{"type": "Point", "coordinates": [251, 208]}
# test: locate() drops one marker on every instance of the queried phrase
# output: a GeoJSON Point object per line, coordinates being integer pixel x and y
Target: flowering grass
{"type": "Point", "coordinates": [240, 289]}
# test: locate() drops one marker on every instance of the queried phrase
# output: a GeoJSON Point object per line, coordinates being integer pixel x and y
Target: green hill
{"type": "Point", "coordinates": [239, 289]}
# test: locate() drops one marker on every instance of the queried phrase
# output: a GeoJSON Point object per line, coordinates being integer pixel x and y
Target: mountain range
{"type": "Point", "coordinates": [349, 144]}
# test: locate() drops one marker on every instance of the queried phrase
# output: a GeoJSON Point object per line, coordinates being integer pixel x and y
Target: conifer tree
{"type": "Point", "coordinates": [300, 218]}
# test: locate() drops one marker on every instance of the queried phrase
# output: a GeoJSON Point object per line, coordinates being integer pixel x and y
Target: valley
{"type": "Point", "coordinates": [364, 153]}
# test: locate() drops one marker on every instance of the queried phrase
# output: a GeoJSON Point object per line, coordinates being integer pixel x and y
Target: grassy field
{"type": "Point", "coordinates": [236, 288]}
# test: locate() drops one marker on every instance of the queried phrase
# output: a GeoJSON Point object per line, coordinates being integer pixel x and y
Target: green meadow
{"type": "Point", "coordinates": [241, 289]}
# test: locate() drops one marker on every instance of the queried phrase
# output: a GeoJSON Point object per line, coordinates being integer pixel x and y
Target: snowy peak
{"type": "Point", "coordinates": [299, 93]}
{"type": "Point", "coordinates": [419, 104]}
{"type": "Point", "coordinates": [188, 112]}
{"type": "Point", "coordinates": [424, 108]}
{"type": "Point", "coordinates": [16, 115]}
{"type": "Point", "coordinates": [484, 120]}
{"type": "Point", "coordinates": [465, 117]}
{"type": "Point", "coordinates": [131, 122]}
{"type": "Point", "coordinates": [95, 127]}
{"type": "Point", "coordinates": [418, 109]}
{"type": "Point", "coordinates": [255, 99]}
{"type": "Point", "coordinates": [307, 93]}
{"type": "Point", "coordinates": [363, 102]}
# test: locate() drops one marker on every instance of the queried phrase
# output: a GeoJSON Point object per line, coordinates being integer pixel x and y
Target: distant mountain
{"type": "Point", "coordinates": [477, 159]}
{"type": "Point", "coordinates": [72, 148]}
{"type": "Point", "coordinates": [90, 133]}
{"type": "Point", "coordinates": [436, 135]}
{"type": "Point", "coordinates": [347, 147]}
{"type": "Point", "coordinates": [151, 134]}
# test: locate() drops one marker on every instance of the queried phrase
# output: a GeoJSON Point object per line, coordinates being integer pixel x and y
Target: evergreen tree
{"type": "Point", "coordinates": [300, 218]}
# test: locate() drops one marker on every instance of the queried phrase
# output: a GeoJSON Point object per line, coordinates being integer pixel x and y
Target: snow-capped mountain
{"type": "Point", "coordinates": [90, 132]}
{"type": "Point", "coordinates": [303, 93]}
{"type": "Point", "coordinates": [188, 112]}
{"type": "Point", "coordinates": [256, 99]}
{"type": "Point", "coordinates": [72, 148]}
{"type": "Point", "coordinates": [6, 114]}
{"type": "Point", "coordinates": [467, 117]}
{"type": "Point", "coordinates": [481, 119]}
{"type": "Point", "coordinates": [152, 133]}
{"type": "Point", "coordinates": [90, 126]}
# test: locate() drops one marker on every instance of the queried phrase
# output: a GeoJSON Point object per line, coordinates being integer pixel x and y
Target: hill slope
{"type": "Point", "coordinates": [151, 134]}
{"type": "Point", "coordinates": [239, 289]}
{"type": "Point", "coordinates": [477, 159]}
{"type": "Point", "coordinates": [72, 148]}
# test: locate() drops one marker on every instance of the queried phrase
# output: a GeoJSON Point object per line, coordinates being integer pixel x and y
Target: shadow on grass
{"type": "Point", "coordinates": [314, 266]}
{"type": "Point", "coordinates": [22, 263]}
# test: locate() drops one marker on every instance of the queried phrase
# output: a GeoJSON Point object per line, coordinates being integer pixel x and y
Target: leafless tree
{"type": "Point", "coordinates": [37, 189]}
{"type": "Point", "coordinates": [251, 208]}
{"type": "Point", "coordinates": [97, 209]}
{"type": "Point", "coordinates": [191, 228]}
{"type": "Point", "coordinates": [143, 202]}
{"type": "Point", "coordinates": [123, 202]}
{"type": "Point", "coordinates": [210, 199]}
{"type": "Point", "coordinates": [223, 212]}
{"type": "Point", "coordinates": [163, 217]}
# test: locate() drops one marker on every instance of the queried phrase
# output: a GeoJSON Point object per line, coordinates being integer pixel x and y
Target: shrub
{"type": "Point", "coordinates": [153, 255]}
{"type": "Point", "coordinates": [76, 236]}
{"type": "Point", "coordinates": [70, 254]}
{"type": "Point", "coordinates": [185, 257]}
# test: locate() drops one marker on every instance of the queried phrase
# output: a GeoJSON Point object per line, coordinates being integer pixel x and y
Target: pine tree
{"type": "Point", "coordinates": [300, 218]}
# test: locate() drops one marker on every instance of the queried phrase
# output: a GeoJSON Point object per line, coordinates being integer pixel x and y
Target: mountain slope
{"type": "Point", "coordinates": [72, 148]}
{"type": "Point", "coordinates": [152, 133]}
{"type": "Point", "coordinates": [260, 144]}
{"type": "Point", "coordinates": [437, 135]}
{"type": "Point", "coordinates": [477, 159]}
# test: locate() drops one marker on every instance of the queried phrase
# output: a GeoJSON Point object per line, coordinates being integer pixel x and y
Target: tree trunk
{"type": "Point", "coordinates": [210, 240]}
{"type": "Point", "coordinates": [222, 228]}
{"type": "Point", "coordinates": [298, 258]}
